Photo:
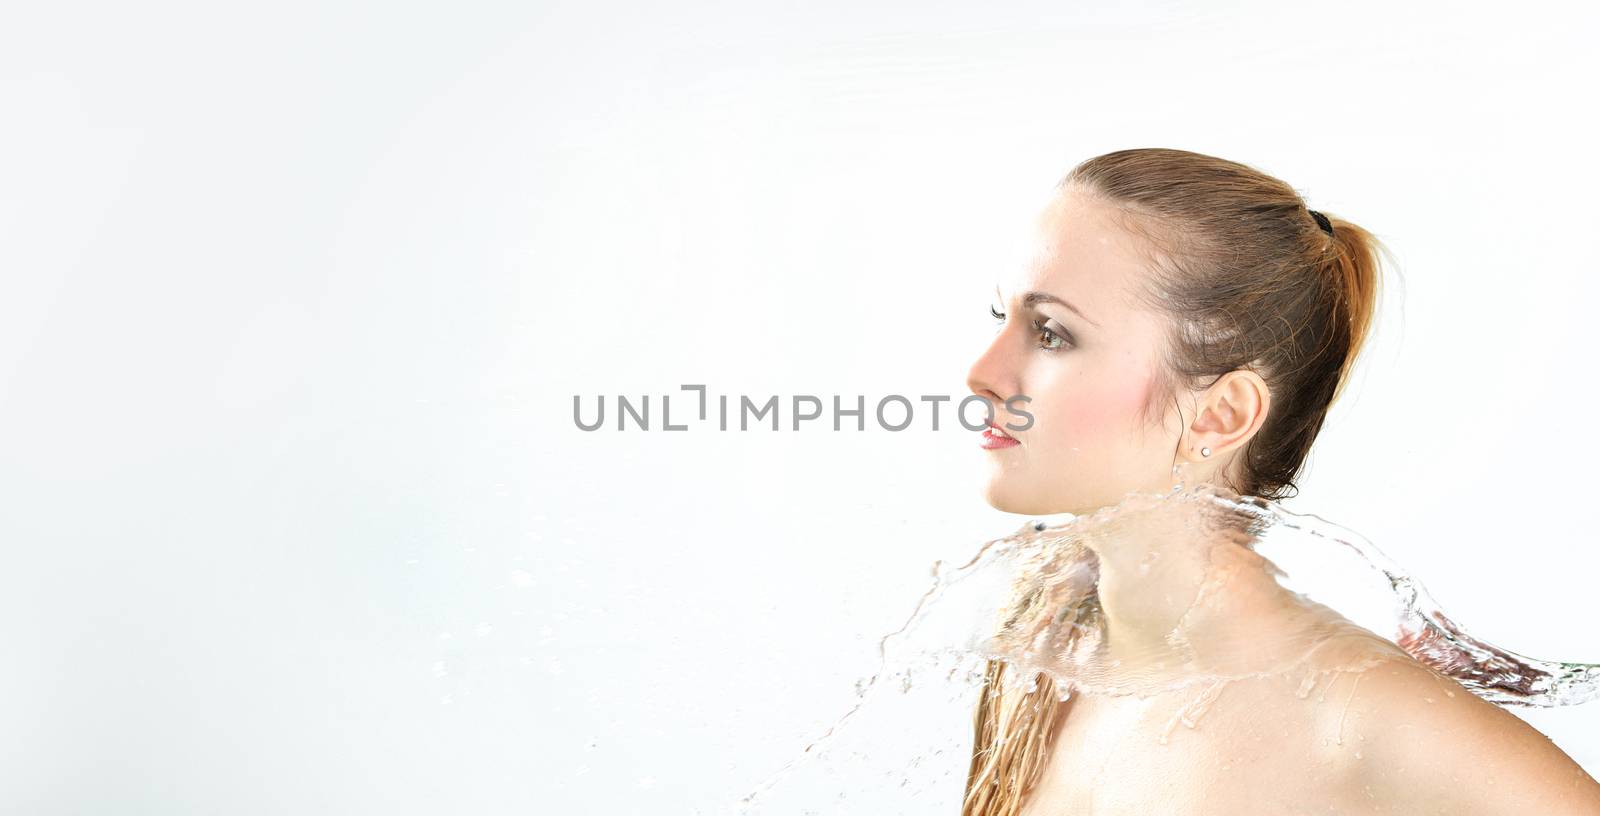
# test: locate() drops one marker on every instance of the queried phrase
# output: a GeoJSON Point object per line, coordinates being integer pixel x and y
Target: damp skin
{"type": "Point", "coordinates": [1203, 686]}
{"type": "Point", "coordinates": [1239, 697]}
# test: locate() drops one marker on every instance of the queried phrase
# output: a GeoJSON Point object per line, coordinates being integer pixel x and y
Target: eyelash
{"type": "Point", "coordinates": [1038, 326]}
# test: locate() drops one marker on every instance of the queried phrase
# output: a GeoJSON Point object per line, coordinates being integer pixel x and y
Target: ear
{"type": "Point", "coordinates": [1231, 412]}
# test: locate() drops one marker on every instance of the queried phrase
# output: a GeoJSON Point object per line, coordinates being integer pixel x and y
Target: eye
{"type": "Point", "coordinates": [998, 315]}
{"type": "Point", "coordinates": [1049, 340]}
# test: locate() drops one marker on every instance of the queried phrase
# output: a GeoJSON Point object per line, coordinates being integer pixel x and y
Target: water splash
{"type": "Point", "coordinates": [1180, 579]}
{"type": "Point", "coordinates": [1426, 633]}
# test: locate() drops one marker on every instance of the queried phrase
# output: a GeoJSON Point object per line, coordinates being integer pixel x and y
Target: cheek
{"type": "Point", "coordinates": [1101, 409]}
{"type": "Point", "coordinates": [1133, 393]}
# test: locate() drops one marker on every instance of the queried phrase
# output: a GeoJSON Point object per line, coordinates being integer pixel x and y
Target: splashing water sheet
{"type": "Point", "coordinates": [1176, 606]}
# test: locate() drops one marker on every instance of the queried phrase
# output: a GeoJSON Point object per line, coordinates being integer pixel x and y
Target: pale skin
{"type": "Point", "coordinates": [1381, 733]}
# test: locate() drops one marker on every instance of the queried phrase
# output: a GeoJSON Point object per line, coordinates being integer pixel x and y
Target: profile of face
{"type": "Point", "coordinates": [1076, 343]}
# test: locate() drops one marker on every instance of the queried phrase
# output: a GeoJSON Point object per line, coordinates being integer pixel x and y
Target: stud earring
{"type": "Point", "coordinates": [1205, 451]}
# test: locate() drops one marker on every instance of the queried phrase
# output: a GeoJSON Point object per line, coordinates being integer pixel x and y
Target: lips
{"type": "Point", "coordinates": [994, 437]}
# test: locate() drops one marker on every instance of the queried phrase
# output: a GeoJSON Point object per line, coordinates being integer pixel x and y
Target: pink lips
{"type": "Point", "coordinates": [994, 438]}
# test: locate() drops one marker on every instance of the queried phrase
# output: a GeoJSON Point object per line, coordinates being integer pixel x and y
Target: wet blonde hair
{"type": "Point", "coordinates": [1251, 281]}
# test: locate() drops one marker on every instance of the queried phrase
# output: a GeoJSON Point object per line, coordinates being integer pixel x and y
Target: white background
{"type": "Point", "coordinates": [297, 297]}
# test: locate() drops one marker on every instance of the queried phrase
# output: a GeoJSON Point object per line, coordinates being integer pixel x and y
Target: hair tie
{"type": "Point", "coordinates": [1322, 221]}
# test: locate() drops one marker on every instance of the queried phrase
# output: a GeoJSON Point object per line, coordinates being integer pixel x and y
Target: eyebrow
{"type": "Point", "coordinates": [1031, 298]}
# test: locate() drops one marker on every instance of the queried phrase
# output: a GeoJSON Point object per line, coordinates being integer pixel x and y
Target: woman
{"type": "Point", "coordinates": [1190, 312]}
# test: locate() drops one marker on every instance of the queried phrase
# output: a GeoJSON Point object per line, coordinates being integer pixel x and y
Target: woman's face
{"type": "Point", "coordinates": [1074, 342]}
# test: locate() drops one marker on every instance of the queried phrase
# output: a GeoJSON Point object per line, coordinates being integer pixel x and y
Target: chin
{"type": "Point", "coordinates": [1007, 499]}
{"type": "Point", "coordinates": [1009, 493]}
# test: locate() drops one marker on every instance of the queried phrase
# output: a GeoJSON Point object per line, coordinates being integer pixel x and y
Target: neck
{"type": "Point", "coordinates": [1180, 593]}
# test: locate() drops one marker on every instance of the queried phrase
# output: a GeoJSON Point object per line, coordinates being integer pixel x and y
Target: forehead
{"type": "Point", "coordinates": [1077, 250]}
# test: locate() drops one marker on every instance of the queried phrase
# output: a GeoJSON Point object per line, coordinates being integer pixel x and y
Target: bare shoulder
{"type": "Point", "coordinates": [1431, 742]}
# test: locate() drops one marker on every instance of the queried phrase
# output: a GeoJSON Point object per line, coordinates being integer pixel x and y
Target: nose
{"type": "Point", "coordinates": [993, 374]}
